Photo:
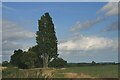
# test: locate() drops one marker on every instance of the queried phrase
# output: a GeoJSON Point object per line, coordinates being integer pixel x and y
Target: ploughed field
{"type": "Point", "coordinates": [96, 71]}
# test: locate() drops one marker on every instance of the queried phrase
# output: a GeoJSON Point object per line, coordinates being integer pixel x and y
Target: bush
{"type": "Point", "coordinates": [58, 63]}
{"type": "Point", "coordinates": [28, 60]}
{"type": "Point", "coordinates": [93, 62]}
{"type": "Point", "coordinates": [5, 63]}
{"type": "Point", "coordinates": [16, 57]}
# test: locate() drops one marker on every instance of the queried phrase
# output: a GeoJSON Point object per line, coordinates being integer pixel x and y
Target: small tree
{"type": "Point", "coordinates": [16, 57]}
{"type": "Point", "coordinates": [46, 39]}
{"type": "Point", "coordinates": [93, 62]}
{"type": "Point", "coordinates": [58, 63]}
{"type": "Point", "coordinates": [5, 63]}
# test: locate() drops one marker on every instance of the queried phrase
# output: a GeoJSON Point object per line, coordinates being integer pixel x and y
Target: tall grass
{"type": "Point", "coordinates": [20, 73]}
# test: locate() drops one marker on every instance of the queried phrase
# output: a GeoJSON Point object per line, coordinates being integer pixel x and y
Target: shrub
{"type": "Point", "coordinates": [58, 63]}
{"type": "Point", "coordinates": [5, 63]}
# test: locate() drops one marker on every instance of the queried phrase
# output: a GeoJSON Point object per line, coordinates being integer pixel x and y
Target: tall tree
{"type": "Point", "coordinates": [46, 39]}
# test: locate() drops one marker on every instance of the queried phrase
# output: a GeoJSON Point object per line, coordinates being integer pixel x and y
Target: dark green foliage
{"type": "Point", "coordinates": [16, 57]}
{"type": "Point", "coordinates": [46, 39]}
{"type": "Point", "coordinates": [58, 63]}
{"type": "Point", "coordinates": [93, 62]}
{"type": "Point", "coordinates": [38, 61]}
{"type": "Point", "coordinates": [24, 59]}
{"type": "Point", "coordinates": [28, 59]}
{"type": "Point", "coordinates": [5, 63]}
{"type": "Point", "coordinates": [34, 49]}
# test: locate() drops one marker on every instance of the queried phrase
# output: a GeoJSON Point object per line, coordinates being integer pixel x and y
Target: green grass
{"type": "Point", "coordinates": [105, 71]}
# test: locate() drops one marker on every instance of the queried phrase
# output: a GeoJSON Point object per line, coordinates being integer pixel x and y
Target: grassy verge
{"type": "Point", "coordinates": [12, 72]}
{"type": "Point", "coordinates": [105, 71]}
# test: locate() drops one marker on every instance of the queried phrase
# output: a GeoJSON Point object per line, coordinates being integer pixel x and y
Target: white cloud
{"type": "Point", "coordinates": [13, 32]}
{"type": "Point", "coordinates": [7, 8]}
{"type": "Point", "coordinates": [87, 49]}
{"type": "Point", "coordinates": [110, 9]}
{"type": "Point", "coordinates": [88, 44]}
{"type": "Point", "coordinates": [112, 27]}
{"type": "Point", "coordinates": [87, 24]}
{"type": "Point", "coordinates": [15, 37]}
{"type": "Point", "coordinates": [9, 45]}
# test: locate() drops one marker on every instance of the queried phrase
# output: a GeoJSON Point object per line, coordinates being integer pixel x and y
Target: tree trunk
{"type": "Point", "coordinates": [45, 60]}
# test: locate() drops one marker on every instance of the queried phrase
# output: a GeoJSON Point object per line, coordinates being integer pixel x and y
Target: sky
{"type": "Point", "coordinates": [86, 31]}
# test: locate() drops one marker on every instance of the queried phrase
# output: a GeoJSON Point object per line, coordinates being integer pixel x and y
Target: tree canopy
{"type": "Point", "coordinates": [46, 39]}
{"type": "Point", "coordinates": [45, 52]}
{"type": "Point", "coordinates": [16, 57]}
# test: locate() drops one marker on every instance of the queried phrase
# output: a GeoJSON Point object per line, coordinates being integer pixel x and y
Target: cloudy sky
{"type": "Point", "coordinates": [86, 31]}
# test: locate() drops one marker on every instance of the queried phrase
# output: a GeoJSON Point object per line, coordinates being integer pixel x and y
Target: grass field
{"type": "Point", "coordinates": [105, 71]}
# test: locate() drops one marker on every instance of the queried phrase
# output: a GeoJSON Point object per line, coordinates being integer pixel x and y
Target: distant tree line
{"type": "Point", "coordinates": [93, 63]}
{"type": "Point", "coordinates": [59, 63]}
